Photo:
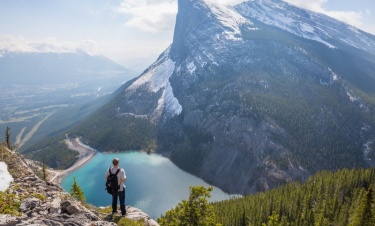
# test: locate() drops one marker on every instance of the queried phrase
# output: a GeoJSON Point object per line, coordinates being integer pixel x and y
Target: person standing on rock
{"type": "Point", "coordinates": [120, 194]}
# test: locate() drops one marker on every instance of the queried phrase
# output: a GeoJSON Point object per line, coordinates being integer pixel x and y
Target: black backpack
{"type": "Point", "coordinates": [111, 185]}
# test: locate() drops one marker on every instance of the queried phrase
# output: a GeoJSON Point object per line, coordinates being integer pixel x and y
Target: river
{"type": "Point", "coordinates": [154, 184]}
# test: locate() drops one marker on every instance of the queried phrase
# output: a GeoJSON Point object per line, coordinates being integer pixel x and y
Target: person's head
{"type": "Point", "coordinates": [115, 161]}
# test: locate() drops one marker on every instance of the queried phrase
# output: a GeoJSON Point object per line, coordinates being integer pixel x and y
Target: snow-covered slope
{"type": "Point", "coordinates": [156, 79]}
{"type": "Point", "coordinates": [307, 24]}
{"type": "Point", "coordinates": [5, 177]}
{"type": "Point", "coordinates": [231, 20]}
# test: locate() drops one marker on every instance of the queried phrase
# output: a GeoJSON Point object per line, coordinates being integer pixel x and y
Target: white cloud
{"type": "Point", "coordinates": [156, 15]}
{"type": "Point", "coordinates": [225, 2]}
{"type": "Point", "coordinates": [350, 17]}
{"type": "Point", "coordinates": [150, 15]}
{"type": "Point", "coordinates": [13, 43]}
{"type": "Point", "coordinates": [314, 5]}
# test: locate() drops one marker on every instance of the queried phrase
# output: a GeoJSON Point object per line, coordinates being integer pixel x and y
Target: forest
{"type": "Point", "coordinates": [328, 198]}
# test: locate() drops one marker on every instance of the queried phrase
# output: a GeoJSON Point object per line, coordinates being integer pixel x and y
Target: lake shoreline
{"type": "Point", "coordinates": [86, 153]}
{"type": "Point", "coordinates": [154, 184]}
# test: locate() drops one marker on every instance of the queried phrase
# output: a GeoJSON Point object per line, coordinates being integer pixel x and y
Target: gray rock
{"type": "Point", "coordinates": [29, 204]}
{"type": "Point", "coordinates": [52, 223]}
{"type": "Point", "coordinates": [45, 212]}
{"type": "Point", "coordinates": [152, 222]}
{"type": "Point", "coordinates": [55, 206]}
{"type": "Point", "coordinates": [101, 223]}
{"type": "Point", "coordinates": [8, 220]}
{"type": "Point", "coordinates": [136, 214]}
{"type": "Point", "coordinates": [30, 179]}
{"type": "Point", "coordinates": [78, 219]}
{"type": "Point", "coordinates": [70, 208]}
{"type": "Point", "coordinates": [91, 216]}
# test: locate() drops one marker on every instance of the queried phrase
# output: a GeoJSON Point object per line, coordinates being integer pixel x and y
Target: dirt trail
{"type": "Point", "coordinates": [31, 133]}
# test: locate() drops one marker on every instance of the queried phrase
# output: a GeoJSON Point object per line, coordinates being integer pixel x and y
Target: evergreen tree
{"type": "Point", "coordinates": [44, 171]}
{"type": "Point", "coordinates": [77, 192]}
{"type": "Point", "coordinates": [7, 136]}
{"type": "Point", "coordinates": [364, 215]}
{"type": "Point", "coordinates": [196, 211]}
{"type": "Point", "coordinates": [329, 198]}
{"type": "Point", "coordinates": [273, 220]}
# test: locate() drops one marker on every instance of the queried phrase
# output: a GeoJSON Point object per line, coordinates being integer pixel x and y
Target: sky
{"type": "Point", "coordinates": [130, 32]}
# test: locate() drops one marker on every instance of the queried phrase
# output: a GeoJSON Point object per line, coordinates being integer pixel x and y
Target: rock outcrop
{"type": "Point", "coordinates": [45, 203]}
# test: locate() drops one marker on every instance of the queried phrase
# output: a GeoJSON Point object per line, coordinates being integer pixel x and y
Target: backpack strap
{"type": "Point", "coordinates": [109, 170]}
{"type": "Point", "coordinates": [118, 170]}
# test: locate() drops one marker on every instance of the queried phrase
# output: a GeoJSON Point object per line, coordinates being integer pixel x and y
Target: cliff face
{"type": "Point", "coordinates": [45, 203]}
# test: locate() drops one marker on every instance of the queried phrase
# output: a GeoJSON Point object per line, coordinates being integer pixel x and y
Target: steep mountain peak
{"type": "Point", "coordinates": [198, 21]}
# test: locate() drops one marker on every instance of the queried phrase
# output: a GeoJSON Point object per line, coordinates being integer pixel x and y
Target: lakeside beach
{"type": "Point", "coordinates": [86, 153]}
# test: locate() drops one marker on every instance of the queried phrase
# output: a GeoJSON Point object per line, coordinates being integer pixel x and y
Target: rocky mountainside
{"type": "Point", "coordinates": [249, 97]}
{"type": "Point", "coordinates": [44, 203]}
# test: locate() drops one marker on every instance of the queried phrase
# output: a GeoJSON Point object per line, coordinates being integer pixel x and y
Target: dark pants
{"type": "Point", "coordinates": [121, 196]}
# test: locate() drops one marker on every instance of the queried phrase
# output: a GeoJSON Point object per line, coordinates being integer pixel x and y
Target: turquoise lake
{"type": "Point", "coordinates": [154, 184]}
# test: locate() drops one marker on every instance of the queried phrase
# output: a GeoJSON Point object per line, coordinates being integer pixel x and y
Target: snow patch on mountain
{"type": "Point", "coordinates": [274, 14]}
{"type": "Point", "coordinates": [367, 149]}
{"type": "Point", "coordinates": [191, 67]}
{"type": "Point", "coordinates": [156, 77]}
{"type": "Point", "coordinates": [305, 23]}
{"type": "Point", "coordinates": [230, 19]}
{"type": "Point", "coordinates": [334, 76]}
{"type": "Point", "coordinates": [352, 97]}
{"type": "Point", "coordinates": [168, 102]}
{"type": "Point", "coordinates": [5, 178]}
{"type": "Point", "coordinates": [171, 103]}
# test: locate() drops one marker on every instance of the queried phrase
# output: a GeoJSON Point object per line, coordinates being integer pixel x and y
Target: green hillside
{"type": "Point", "coordinates": [344, 197]}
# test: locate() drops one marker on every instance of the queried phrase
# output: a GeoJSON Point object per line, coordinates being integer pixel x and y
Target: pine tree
{"type": "Point", "coordinates": [364, 215]}
{"type": "Point", "coordinates": [196, 211]}
{"type": "Point", "coordinates": [76, 191]}
{"type": "Point", "coordinates": [7, 136]}
{"type": "Point", "coordinates": [44, 171]}
{"type": "Point", "coordinates": [273, 220]}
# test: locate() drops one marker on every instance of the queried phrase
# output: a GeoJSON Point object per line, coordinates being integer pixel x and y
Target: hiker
{"type": "Point", "coordinates": [120, 192]}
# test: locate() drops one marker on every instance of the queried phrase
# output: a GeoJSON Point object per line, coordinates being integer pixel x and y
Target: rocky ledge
{"type": "Point", "coordinates": [45, 203]}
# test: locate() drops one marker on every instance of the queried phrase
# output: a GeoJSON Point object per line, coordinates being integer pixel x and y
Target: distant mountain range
{"type": "Point", "coordinates": [249, 97]}
{"type": "Point", "coordinates": [58, 68]}
{"type": "Point", "coordinates": [37, 86]}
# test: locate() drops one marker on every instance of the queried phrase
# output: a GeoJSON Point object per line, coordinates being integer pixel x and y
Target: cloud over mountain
{"type": "Point", "coordinates": [11, 43]}
{"type": "Point", "coordinates": [149, 15]}
{"type": "Point", "coordinates": [348, 16]}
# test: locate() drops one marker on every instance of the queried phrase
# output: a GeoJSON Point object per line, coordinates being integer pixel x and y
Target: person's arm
{"type": "Point", "coordinates": [106, 175]}
{"type": "Point", "coordinates": [123, 178]}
